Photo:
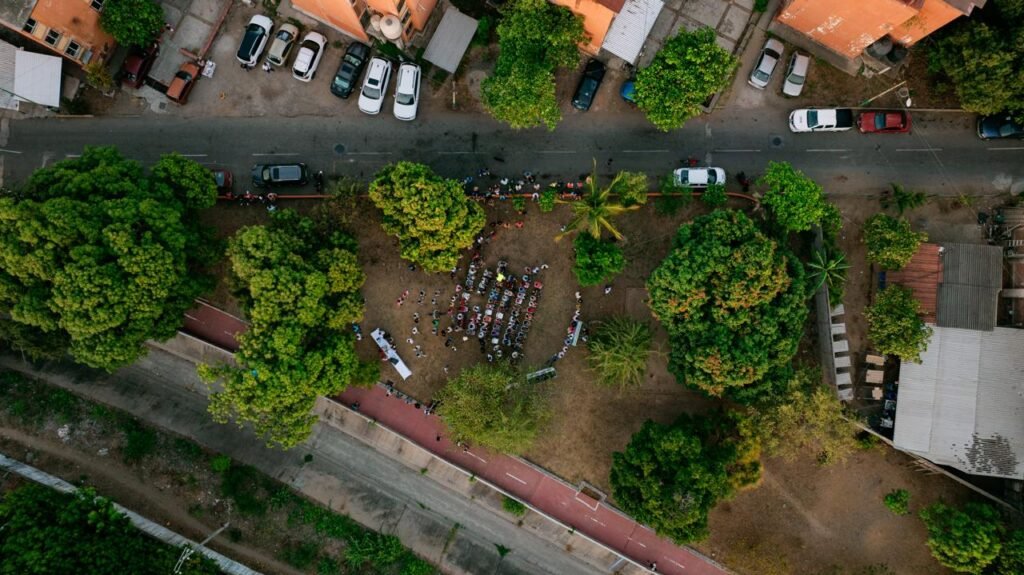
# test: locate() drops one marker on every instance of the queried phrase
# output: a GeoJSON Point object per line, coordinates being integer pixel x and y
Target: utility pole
{"type": "Point", "coordinates": [188, 551]}
{"type": "Point", "coordinates": [869, 100]}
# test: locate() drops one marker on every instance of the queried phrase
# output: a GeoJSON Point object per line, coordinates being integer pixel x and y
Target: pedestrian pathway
{"type": "Point", "coordinates": [537, 488]}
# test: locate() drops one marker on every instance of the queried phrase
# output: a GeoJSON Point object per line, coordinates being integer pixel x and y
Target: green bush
{"type": "Point", "coordinates": [243, 485]}
{"type": "Point", "coordinates": [714, 195]}
{"type": "Point", "coordinates": [513, 506]}
{"type": "Point", "coordinates": [519, 203]}
{"type": "Point", "coordinates": [898, 501]}
{"type": "Point", "coordinates": [377, 549]}
{"type": "Point", "coordinates": [547, 200]}
{"type": "Point", "coordinates": [220, 463]}
{"type": "Point", "coordinates": [597, 261]}
{"type": "Point", "coordinates": [139, 442]}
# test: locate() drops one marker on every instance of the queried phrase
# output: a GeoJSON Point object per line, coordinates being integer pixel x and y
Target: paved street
{"type": "Point", "coordinates": [942, 156]}
{"type": "Point", "coordinates": [378, 491]}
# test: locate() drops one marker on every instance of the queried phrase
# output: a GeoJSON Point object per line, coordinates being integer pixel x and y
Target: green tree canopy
{"type": "Point", "coordinates": [96, 257]}
{"type": "Point", "coordinates": [492, 405]}
{"type": "Point", "coordinates": [732, 300]}
{"type": "Point", "coordinates": [895, 325]}
{"type": "Point", "coordinates": [796, 201]}
{"type": "Point", "coordinates": [535, 38]}
{"type": "Point", "coordinates": [631, 187]}
{"type": "Point", "coordinates": [299, 286]}
{"type": "Point", "coordinates": [597, 261]}
{"type": "Point", "coordinates": [47, 532]}
{"type": "Point", "coordinates": [967, 540]}
{"type": "Point", "coordinates": [670, 476]}
{"type": "Point", "coordinates": [431, 216]}
{"type": "Point", "coordinates": [619, 348]}
{"type": "Point", "coordinates": [1011, 557]}
{"type": "Point", "coordinates": [132, 22]}
{"type": "Point", "coordinates": [983, 57]}
{"type": "Point", "coordinates": [891, 243]}
{"type": "Point", "coordinates": [688, 69]}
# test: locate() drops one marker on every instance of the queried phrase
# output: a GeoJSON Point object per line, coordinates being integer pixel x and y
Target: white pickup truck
{"type": "Point", "coordinates": [821, 120]}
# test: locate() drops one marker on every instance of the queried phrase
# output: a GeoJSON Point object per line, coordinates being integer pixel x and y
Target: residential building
{"type": "Point", "coordinates": [848, 33]}
{"type": "Point", "coordinates": [619, 27]}
{"type": "Point", "coordinates": [68, 28]}
{"type": "Point", "coordinates": [963, 405]}
{"type": "Point", "coordinates": [395, 20]}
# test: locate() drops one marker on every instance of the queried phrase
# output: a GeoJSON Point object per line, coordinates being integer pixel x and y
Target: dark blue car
{"type": "Point", "coordinates": [999, 126]}
{"type": "Point", "coordinates": [593, 73]}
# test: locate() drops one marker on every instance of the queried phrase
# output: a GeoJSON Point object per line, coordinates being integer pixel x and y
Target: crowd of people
{"type": "Point", "coordinates": [485, 186]}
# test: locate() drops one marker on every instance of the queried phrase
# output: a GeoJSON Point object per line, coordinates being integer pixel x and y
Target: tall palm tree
{"type": "Point", "coordinates": [595, 211]}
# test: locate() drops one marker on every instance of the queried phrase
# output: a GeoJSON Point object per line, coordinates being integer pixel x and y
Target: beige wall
{"type": "Point", "coordinates": [340, 14]}
{"type": "Point", "coordinates": [596, 20]}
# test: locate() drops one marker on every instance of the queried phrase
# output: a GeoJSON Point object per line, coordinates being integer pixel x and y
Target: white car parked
{"type": "Point", "coordinates": [375, 86]}
{"type": "Point", "coordinates": [254, 40]}
{"type": "Point", "coordinates": [699, 177]}
{"type": "Point", "coordinates": [308, 58]}
{"type": "Point", "coordinates": [796, 74]}
{"type": "Point", "coordinates": [765, 67]}
{"type": "Point", "coordinates": [407, 91]}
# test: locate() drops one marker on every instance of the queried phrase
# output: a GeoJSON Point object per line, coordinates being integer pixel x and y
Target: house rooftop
{"type": "Point", "coordinates": [922, 275]}
{"type": "Point", "coordinates": [972, 277]}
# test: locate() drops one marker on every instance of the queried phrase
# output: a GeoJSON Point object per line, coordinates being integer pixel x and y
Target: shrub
{"type": "Point", "coordinates": [241, 483]}
{"type": "Point", "coordinates": [220, 463]}
{"type": "Point", "coordinates": [898, 501]}
{"type": "Point", "coordinates": [714, 195]}
{"type": "Point", "coordinates": [547, 200]}
{"type": "Point", "coordinates": [139, 442]}
{"type": "Point", "coordinates": [597, 261]}
{"type": "Point", "coordinates": [619, 348]}
{"type": "Point", "coordinates": [895, 326]}
{"type": "Point", "coordinates": [890, 241]}
{"type": "Point", "coordinates": [966, 540]}
{"type": "Point", "coordinates": [301, 555]}
{"type": "Point", "coordinates": [513, 506]}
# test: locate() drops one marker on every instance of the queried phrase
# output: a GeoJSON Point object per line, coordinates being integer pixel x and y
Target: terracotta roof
{"type": "Point", "coordinates": [613, 5]}
{"type": "Point", "coordinates": [922, 275]}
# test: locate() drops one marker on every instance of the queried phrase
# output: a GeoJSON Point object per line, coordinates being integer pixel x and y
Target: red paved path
{"type": "Point", "coordinates": [214, 326]}
{"type": "Point", "coordinates": [541, 490]}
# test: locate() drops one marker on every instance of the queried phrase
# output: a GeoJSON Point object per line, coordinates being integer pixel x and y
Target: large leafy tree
{"type": "Point", "coordinates": [895, 325]}
{"type": "Point", "coordinates": [132, 22]}
{"type": "Point", "coordinates": [493, 405]}
{"type": "Point", "coordinates": [96, 257]}
{"type": "Point", "coordinates": [966, 540]}
{"type": "Point", "coordinates": [597, 261]}
{"type": "Point", "coordinates": [46, 532]}
{"type": "Point", "coordinates": [430, 215]}
{"type": "Point", "coordinates": [619, 348]}
{"type": "Point", "coordinates": [670, 476]}
{"type": "Point", "coordinates": [796, 201]}
{"type": "Point", "coordinates": [1011, 557]}
{"type": "Point", "coordinates": [732, 300]}
{"type": "Point", "coordinates": [984, 59]}
{"type": "Point", "coordinates": [299, 286]}
{"type": "Point", "coordinates": [891, 242]}
{"type": "Point", "coordinates": [688, 69]}
{"type": "Point", "coordinates": [535, 38]}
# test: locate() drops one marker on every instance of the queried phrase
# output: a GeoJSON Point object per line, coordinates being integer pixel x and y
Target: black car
{"type": "Point", "coordinates": [266, 175]}
{"type": "Point", "coordinates": [352, 64]}
{"type": "Point", "coordinates": [593, 73]}
{"type": "Point", "coordinates": [999, 126]}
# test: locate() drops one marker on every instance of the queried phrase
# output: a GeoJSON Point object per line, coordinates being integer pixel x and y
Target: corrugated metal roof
{"type": "Point", "coordinates": [7, 60]}
{"type": "Point", "coordinates": [963, 406]}
{"type": "Point", "coordinates": [629, 30]}
{"type": "Point", "coordinates": [451, 39]}
{"type": "Point", "coordinates": [922, 275]}
{"type": "Point", "coordinates": [16, 12]}
{"type": "Point", "coordinates": [971, 279]}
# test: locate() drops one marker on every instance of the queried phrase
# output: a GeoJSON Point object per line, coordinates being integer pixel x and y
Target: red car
{"type": "Point", "coordinates": [884, 122]}
{"type": "Point", "coordinates": [137, 65]}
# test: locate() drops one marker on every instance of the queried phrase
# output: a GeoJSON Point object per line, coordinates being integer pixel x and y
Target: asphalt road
{"type": "Point", "coordinates": [942, 156]}
{"type": "Point", "coordinates": [395, 497]}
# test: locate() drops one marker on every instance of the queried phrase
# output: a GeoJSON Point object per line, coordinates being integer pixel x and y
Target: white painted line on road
{"type": "Point", "coordinates": [830, 150]}
{"type": "Point", "coordinates": [9, 151]}
{"type": "Point", "coordinates": [516, 478]}
{"type": "Point", "coordinates": [278, 154]}
{"type": "Point", "coordinates": [645, 151]}
{"type": "Point", "coordinates": [598, 522]}
{"type": "Point", "coordinates": [918, 149]}
{"type": "Point", "coordinates": [557, 152]}
{"type": "Point", "coordinates": [470, 453]}
{"type": "Point", "coordinates": [677, 564]}
{"type": "Point", "coordinates": [737, 151]}
{"type": "Point", "coordinates": [194, 155]}
{"type": "Point", "coordinates": [72, 155]}
{"type": "Point", "coordinates": [1003, 149]}
{"type": "Point", "coordinates": [639, 543]}
{"type": "Point", "coordinates": [369, 153]}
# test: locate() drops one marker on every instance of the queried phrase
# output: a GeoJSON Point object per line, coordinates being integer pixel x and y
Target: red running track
{"type": "Point", "coordinates": [214, 326]}
{"type": "Point", "coordinates": [540, 489]}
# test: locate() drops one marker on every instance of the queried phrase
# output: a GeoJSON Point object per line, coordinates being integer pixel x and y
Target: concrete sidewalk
{"type": "Point", "coordinates": [459, 534]}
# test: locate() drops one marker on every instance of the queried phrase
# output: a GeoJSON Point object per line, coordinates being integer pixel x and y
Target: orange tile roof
{"type": "Point", "coordinates": [922, 275]}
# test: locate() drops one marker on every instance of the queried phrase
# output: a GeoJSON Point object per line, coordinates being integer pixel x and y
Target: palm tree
{"type": "Point", "coordinates": [596, 210]}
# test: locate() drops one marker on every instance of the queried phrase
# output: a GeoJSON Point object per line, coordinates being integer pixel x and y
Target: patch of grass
{"type": "Point", "coordinates": [308, 458]}
{"type": "Point", "coordinates": [423, 470]}
{"type": "Point", "coordinates": [898, 501]}
{"type": "Point", "coordinates": [328, 566]}
{"type": "Point", "coordinates": [235, 534]}
{"type": "Point", "coordinates": [438, 77]}
{"type": "Point", "coordinates": [220, 463]}
{"type": "Point", "coordinates": [484, 29]}
{"type": "Point", "coordinates": [760, 5]}
{"type": "Point", "coordinates": [502, 550]}
{"type": "Point", "coordinates": [375, 549]}
{"type": "Point", "coordinates": [189, 450]}
{"type": "Point", "coordinates": [139, 442]}
{"type": "Point", "coordinates": [65, 406]}
{"type": "Point", "coordinates": [513, 506]}
{"type": "Point", "coordinates": [243, 485]}
{"type": "Point", "coordinates": [301, 555]}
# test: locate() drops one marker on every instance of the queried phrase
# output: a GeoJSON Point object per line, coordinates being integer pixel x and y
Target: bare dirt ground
{"type": "Point", "coordinates": [803, 518]}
